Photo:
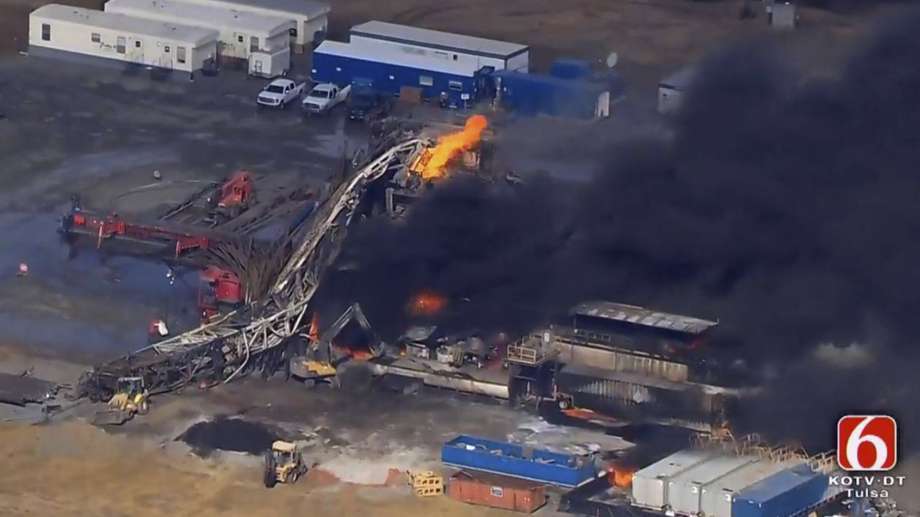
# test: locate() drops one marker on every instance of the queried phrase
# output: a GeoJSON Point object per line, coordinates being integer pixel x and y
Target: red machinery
{"type": "Point", "coordinates": [114, 227]}
{"type": "Point", "coordinates": [219, 288]}
{"type": "Point", "coordinates": [234, 194]}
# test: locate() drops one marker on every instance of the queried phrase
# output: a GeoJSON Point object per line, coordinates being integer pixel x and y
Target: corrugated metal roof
{"type": "Point", "coordinates": [642, 316]}
{"type": "Point", "coordinates": [210, 16]}
{"type": "Point", "coordinates": [625, 377]}
{"type": "Point", "coordinates": [438, 39]}
{"type": "Point", "coordinates": [381, 54]}
{"type": "Point", "coordinates": [130, 24]}
{"type": "Point", "coordinates": [674, 464]}
{"type": "Point", "coordinates": [306, 8]}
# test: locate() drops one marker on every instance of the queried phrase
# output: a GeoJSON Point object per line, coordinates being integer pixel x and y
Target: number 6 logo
{"type": "Point", "coordinates": [867, 442]}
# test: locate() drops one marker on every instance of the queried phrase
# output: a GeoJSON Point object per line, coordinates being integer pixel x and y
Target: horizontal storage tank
{"type": "Point", "coordinates": [650, 485]}
{"type": "Point", "coordinates": [786, 493]}
{"type": "Point", "coordinates": [508, 459]}
{"type": "Point", "coordinates": [684, 489]}
{"type": "Point", "coordinates": [716, 497]}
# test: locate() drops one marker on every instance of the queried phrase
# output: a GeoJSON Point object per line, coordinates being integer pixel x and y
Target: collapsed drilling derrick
{"type": "Point", "coordinates": [284, 280]}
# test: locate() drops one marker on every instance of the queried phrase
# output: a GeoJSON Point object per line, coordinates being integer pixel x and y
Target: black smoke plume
{"type": "Point", "coordinates": [784, 206]}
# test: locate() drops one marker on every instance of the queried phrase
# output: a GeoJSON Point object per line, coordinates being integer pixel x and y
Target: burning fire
{"type": "Point", "coordinates": [313, 334]}
{"type": "Point", "coordinates": [433, 163]}
{"type": "Point", "coordinates": [427, 303]}
{"type": "Point", "coordinates": [620, 476]}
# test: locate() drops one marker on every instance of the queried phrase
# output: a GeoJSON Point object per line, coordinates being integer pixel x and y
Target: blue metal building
{"type": "Point", "coordinates": [570, 90]}
{"type": "Point", "coordinates": [389, 70]}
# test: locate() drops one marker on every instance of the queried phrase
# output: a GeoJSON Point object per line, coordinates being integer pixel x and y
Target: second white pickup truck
{"type": "Point", "coordinates": [323, 97]}
{"type": "Point", "coordinates": [279, 93]}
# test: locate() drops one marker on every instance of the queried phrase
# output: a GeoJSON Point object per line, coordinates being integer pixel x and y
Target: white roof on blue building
{"type": "Point", "coordinates": [437, 39]}
{"type": "Point", "coordinates": [382, 54]}
{"type": "Point", "coordinates": [128, 24]}
{"type": "Point", "coordinates": [209, 16]}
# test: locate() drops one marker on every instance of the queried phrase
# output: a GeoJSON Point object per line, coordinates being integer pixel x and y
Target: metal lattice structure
{"type": "Point", "coordinates": [229, 343]}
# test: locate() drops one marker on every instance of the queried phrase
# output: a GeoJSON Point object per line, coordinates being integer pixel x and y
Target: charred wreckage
{"type": "Point", "coordinates": [606, 362]}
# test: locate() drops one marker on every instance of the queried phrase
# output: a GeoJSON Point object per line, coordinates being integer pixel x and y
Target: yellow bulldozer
{"type": "Point", "coordinates": [130, 398]}
{"type": "Point", "coordinates": [283, 464]}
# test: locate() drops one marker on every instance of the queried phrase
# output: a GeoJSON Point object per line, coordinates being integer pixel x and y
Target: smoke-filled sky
{"type": "Point", "coordinates": [786, 207]}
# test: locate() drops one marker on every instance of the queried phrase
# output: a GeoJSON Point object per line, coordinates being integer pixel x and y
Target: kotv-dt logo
{"type": "Point", "coordinates": [867, 443]}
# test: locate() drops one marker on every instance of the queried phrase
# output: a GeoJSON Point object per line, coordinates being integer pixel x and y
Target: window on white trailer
{"type": "Point", "coordinates": [166, 48]}
{"type": "Point", "coordinates": [253, 43]}
{"type": "Point", "coordinates": [180, 54]}
{"type": "Point", "coordinates": [120, 44]}
{"type": "Point", "coordinates": [95, 37]}
{"type": "Point", "coordinates": [426, 80]}
{"type": "Point", "coordinates": [46, 32]}
{"type": "Point", "coordinates": [137, 43]}
{"type": "Point", "coordinates": [456, 86]}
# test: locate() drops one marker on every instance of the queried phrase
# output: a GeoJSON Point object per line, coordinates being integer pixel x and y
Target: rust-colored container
{"type": "Point", "coordinates": [496, 491]}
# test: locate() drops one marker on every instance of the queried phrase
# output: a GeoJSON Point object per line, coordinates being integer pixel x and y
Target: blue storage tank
{"type": "Point", "coordinates": [784, 494]}
{"type": "Point", "coordinates": [513, 460]}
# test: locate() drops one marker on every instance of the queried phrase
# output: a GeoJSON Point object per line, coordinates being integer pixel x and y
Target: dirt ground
{"type": "Point", "coordinates": [355, 440]}
{"type": "Point", "coordinates": [76, 469]}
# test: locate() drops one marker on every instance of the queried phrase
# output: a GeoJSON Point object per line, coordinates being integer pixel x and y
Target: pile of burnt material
{"type": "Point", "coordinates": [229, 434]}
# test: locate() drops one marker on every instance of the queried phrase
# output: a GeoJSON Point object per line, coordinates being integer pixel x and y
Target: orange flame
{"type": "Point", "coordinates": [436, 159]}
{"type": "Point", "coordinates": [427, 303]}
{"type": "Point", "coordinates": [313, 334]}
{"type": "Point", "coordinates": [620, 476]}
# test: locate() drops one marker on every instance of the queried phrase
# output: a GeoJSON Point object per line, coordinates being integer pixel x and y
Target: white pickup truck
{"type": "Point", "coordinates": [279, 93]}
{"type": "Point", "coordinates": [323, 97]}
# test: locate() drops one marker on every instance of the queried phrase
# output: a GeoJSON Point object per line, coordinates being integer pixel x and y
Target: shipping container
{"type": "Point", "coordinates": [684, 489]}
{"type": "Point", "coordinates": [716, 498]}
{"type": "Point", "coordinates": [784, 494]}
{"type": "Point", "coordinates": [508, 459]}
{"type": "Point", "coordinates": [535, 94]}
{"type": "Point", "coordinates": [650, 485]}
{"type": "Point", "coordinates": [496, 491]}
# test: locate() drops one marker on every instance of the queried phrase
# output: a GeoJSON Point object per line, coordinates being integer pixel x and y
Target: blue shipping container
{"type": "Point", "coordinates": [341, 63]}
{"type": "Point", "coordinates": [786, 493]}
{"type": "Point", "coordinates": [533, 94]}
{"type": "Point", "coordinates": [570, 69]}
{"type": "Point", "coordinates": [516, 461]}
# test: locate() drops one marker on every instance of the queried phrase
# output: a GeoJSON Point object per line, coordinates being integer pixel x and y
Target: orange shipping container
{"type": "Point", "coordinates": [496, 491]}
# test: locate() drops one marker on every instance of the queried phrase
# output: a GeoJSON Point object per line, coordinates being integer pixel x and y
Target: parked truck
{"type": "Point", "coordinates": [366, 103]}
{"type": "Point", "coordinates": [323, 97]}
{"type": "Point", "coordinates": [280, 93]}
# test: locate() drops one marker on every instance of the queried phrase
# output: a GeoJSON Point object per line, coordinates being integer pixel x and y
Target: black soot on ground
{"type": "Point", "coordinates": [228, 434]}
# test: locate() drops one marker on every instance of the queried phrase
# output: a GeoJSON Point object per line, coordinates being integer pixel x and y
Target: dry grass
{"type": "Point", "coordinates": [75, 469]}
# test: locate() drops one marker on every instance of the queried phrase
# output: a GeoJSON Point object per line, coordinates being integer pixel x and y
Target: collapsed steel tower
{"type": "Point", "coordinates": [283, 282]}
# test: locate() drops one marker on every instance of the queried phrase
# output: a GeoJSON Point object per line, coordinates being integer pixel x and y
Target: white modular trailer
{"type": "Point", "coordinates": [650, 485]}
{"type": "Point", "coordinates": [459, 49]}
{"type": "Point", "coordinates": [716, 498]}
{"type": "Point", "coordinates": [262, 41]}
{"type": "Point", "coordinates": [311, 18]}
{"type": "Point", "coordinates": [685, 489]}
{"type": "Point", "coordinates": [65, 31]}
